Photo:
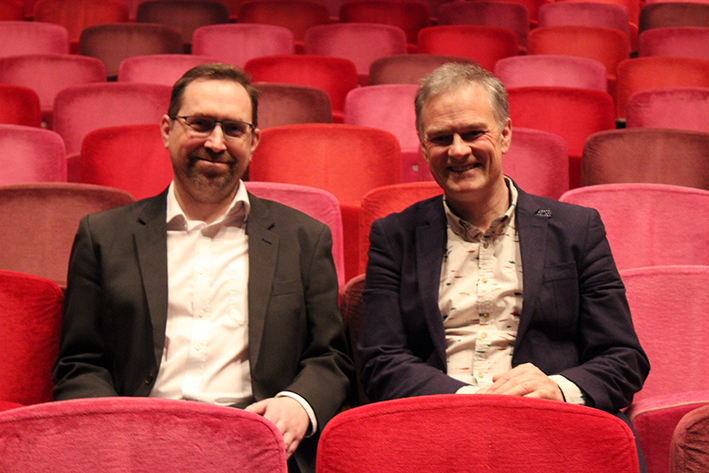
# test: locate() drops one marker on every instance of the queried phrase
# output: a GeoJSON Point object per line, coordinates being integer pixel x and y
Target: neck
{"type": "Point", "coordinates": [481, 209]}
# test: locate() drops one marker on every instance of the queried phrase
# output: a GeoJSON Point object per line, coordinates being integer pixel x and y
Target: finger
{"type": "Point", "coordinates": [257, 407]}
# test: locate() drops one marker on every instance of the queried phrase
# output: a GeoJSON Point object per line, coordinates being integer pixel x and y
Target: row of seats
{"type": "Point", "coordinates": [30, 329]}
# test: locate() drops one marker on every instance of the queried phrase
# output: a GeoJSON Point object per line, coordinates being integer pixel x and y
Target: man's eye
{"type": "Point", "coordinates": [202, 124]}
{"type": "Point", "coordinates": [443, 140]}
{"type": "Point", "coordinates": [471, 136]}
{"type": "Point", "coordinates": [233, 128]}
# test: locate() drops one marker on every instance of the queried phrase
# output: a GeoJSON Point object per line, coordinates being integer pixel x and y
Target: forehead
{"type": "Point", "coordinates": [469, 105]}
{"type": "Point", "coordinates": [219, 98]}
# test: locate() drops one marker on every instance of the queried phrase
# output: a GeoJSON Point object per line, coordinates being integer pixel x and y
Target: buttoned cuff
{"type": "Point", "coordinates": [309, 410]}
{"type": "Point", "coordinates": [572, 393]}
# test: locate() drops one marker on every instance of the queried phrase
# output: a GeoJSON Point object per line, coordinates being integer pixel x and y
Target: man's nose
{"type": "Point", "coordinates": [215, 140]}
{"type": "Point", "coordinates": [458, 147]}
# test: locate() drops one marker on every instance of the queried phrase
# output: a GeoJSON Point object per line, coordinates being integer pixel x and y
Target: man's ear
{"type": "Point", "coordinates": [506, 136]}
{"type": "Point", "coordinates": [165, 128]}
{"type": "Point", "coordinates": [255, 139]}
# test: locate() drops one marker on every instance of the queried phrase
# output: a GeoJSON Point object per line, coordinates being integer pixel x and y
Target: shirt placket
{"type": "Point", "coordinates": [201, 320]}
{"type": "Point", "coordinates": [481, 356]}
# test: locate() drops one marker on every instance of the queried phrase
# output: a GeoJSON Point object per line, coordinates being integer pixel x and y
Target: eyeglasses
{"type": "Point", "coordinates": [203, 126]}
{"type": "Point", "coordinates": [446, 140]}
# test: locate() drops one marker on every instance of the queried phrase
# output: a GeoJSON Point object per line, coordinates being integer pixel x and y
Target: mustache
{"type": "Point", "coordinates": [208, 155]}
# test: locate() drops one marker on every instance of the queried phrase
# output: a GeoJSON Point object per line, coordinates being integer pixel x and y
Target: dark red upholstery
{"type": "Point", "coordinates": [288, 104]}
{"type": "Point", "coordinates": [31, 311]}
{"type": "Point", "coordinates": [19, 106]}
{"type": "Point", "coordinates": [40, 222]}
{"type": "Point", "coordinates": [690, 443]}
{"type": "Point", "coordinates": [443, 433]}
{"type": "Point", "coordinates": [408, 15]}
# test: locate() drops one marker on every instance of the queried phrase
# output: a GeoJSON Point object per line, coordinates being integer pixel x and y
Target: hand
{"type": "Point", "coordinates": [525, 380]}
{"type": "Point", "coordinates": [287, 415]}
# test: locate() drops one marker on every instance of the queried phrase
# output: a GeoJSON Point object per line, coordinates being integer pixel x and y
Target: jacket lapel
{"type": "Point", "coordinates": [151, 247]}
{"type": "Point", "coordinates": [532, 222]}
{"type": "Point", "coordinates": [430, 246]}
{"type": "Point", "coordinates": [263, 254]}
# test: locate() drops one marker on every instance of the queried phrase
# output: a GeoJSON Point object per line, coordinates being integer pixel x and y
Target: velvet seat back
{"type": "Point", "coordinates": [288, 104]}
{"type": "Point", "coordinates": [683, 108]}
{"type": "Point", "coordinates": [552, 70]}
{"type": "Point", "coordinates": [31, 312]}
{"type": "Point", "coordinates": [163, 69]}
{"type": "Point", "coordinates": [31, 154]}
{"type": "Point", "coordinates": [121, 435]}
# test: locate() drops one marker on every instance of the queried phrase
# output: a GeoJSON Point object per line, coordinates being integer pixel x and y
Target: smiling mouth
{"type": "Point", "coordinates": [468, 167]}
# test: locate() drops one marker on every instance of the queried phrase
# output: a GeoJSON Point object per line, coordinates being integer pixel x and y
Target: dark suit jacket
{"type": "Point", "coordinates": [113, 332]}
{"type": "Point", "coordinates": [575, 319]}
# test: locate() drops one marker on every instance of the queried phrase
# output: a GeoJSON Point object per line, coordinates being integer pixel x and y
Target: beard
{"type": "Point", "coordinates": [212, 183]}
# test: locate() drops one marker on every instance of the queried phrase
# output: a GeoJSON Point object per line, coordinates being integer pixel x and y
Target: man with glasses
{"type": "Point", "coordinates": [488, 289]}
{"type": "Point", "coordinates": [206, 292]}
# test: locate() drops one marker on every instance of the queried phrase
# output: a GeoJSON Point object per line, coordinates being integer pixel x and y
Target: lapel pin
{"type": "Point", "coordinates": [546, 213]}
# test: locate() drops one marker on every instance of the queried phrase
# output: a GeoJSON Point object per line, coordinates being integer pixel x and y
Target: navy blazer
{"type": "Point", "coordinates": [575, 319]}
{"type": "Point", "coordinates": [115, 311]}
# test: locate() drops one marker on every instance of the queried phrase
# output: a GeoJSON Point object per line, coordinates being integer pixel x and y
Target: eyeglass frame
{"type": "Point", "coordinates": [220, 122]}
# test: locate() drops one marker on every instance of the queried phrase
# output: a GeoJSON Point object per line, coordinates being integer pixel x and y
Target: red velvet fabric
{"type": "Point", "coordinates": [317, 203]}
{"type": "Point", "coordinates": [633, 7]}
{"type": "Point", "coordinates": [28, 37]}
{"type": "Point", "coordinates": [132, 158]}
{"type": "Point", "coordinates": [84, 108]}
{"type": "Point", "coordinates": [673, 13]}
{"type": "Point", "coordinates": [678, 41]}
{"type": "Point", "coordinates": [684, 108]}
{"type": "Point", "coordinates": [573, 114]}
{"type": "Point", "coordinates": [410, 16]}
{"type": "Point", "coordinates": [635, 216]}
{"type": "Point", "coordinates": [12, 10]}
{"type": "Point", "coordinates": [690, 443]}
{"type": "Point", "coordinates": [31, 311]}
{"type": "Point", "coordinates": [388, 107]}
{"type": "Point", "coordinates": [19, 106]}
{"type": "Point", "coordinates": [75, 15]}
{"type": "Point", "coordinates": [476, 433]}
{"type": "Point", "coordinates": [645, 73]}
{"type": "Point", "coordinates": [47, 74]}
{"type": "Point", "coordinates": [656, 155]}
{"type": "Point", "coordinates": [385, 200]}
{"type": "Point", "coordinates": [31, 154]}
{"type": "Point", "coordinates": [361, 43]}
{"type": "Point", "coordinates": [254, 40]}
{"type": "Point", "coordinates": [112, 43]}
{"type": "Point", "coordinates": [345, 160]}
{"type": "Point", "coordinates": [296, 15]}
{"type": "Point", "coordinates": [656, 418]}
{"type": "Point", "coordinates": [609, 46]}
{"type": "Point", "coordinates": [39, 223]}
{"type": "Point", "coordinates": [288, 104]}
{"type": "Point", "coordinates": [121, 435]}
{"type": "Point", "coordinates": [336, 76]}
{"type": "Point", "coordinates": [508, 15]}
{"type": "Point", "coordinates": [484, 44]}
{"type": "Point", "coordinates": [552, 70]}
{"type": "Point", "coordinates": [604, 15]}
{"type": "Point", "coordinates": [183, 15]}
{"type": "Point", "coordinates": [407, 68]}
{"type": "Point", "coordinates": [163, 69]}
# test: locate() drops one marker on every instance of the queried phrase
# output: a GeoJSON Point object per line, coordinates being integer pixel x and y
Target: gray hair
{"type": "Point", "coordinates": [453, 76]}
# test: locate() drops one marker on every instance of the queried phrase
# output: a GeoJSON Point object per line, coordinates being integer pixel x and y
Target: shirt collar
{"type": "Point", "coordinates": [235, 215]}
{"type": "Point", "coordinates": [471, 233]}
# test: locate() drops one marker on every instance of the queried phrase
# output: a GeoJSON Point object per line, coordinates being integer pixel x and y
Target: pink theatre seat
{"type": "Point", "coordinates": [678, 41]}
{"type": "Point", "coordinates": [29, 37]}
{"type": "Point", "coordinates": [317, 203]}
{"type": "Point", "coordinates": [654, 293]}
{"type": "Point", "coordinates": [31, 154]}
{"type": "Point", "coordinates": [117, 435]}
{"type": "Point", "coordinates": [30, 316]}
{"type": "Point", "coordinates": [552, 70]}
{"type": "Point", "coordinates": [163, 69]}
{"type": "Point", "coordinates": [433, 433]}
{"type": "Point", "coordinates": [388, 107]}
{"type": "Point", "coordinates": [636, 218]}
{"type": "Point", "coordinates": [684, 108]}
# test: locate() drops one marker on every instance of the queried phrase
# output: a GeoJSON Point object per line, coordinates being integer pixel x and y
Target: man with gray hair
{"type": "Point", "coordinates": [488, 289]}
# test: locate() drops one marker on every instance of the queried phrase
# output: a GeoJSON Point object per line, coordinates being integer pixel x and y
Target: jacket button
{"type": "Point", "coordinates": [149, 379]}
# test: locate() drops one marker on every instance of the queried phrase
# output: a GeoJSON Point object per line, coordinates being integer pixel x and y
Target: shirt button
{"type": "Point", "coordinates": [485, 245]}
{"type": "Point", "coordinates": [198, 347]}
{"type": "Point", "coordinates": [200, 271]}
{"type": "Point", "coordinates": [200, 313]}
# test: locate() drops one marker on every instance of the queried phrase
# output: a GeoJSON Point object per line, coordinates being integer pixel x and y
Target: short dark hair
{"type": "Point", "coordinates": [213, 71]}
{"type": "Point", "coordinates": [453, 76]}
